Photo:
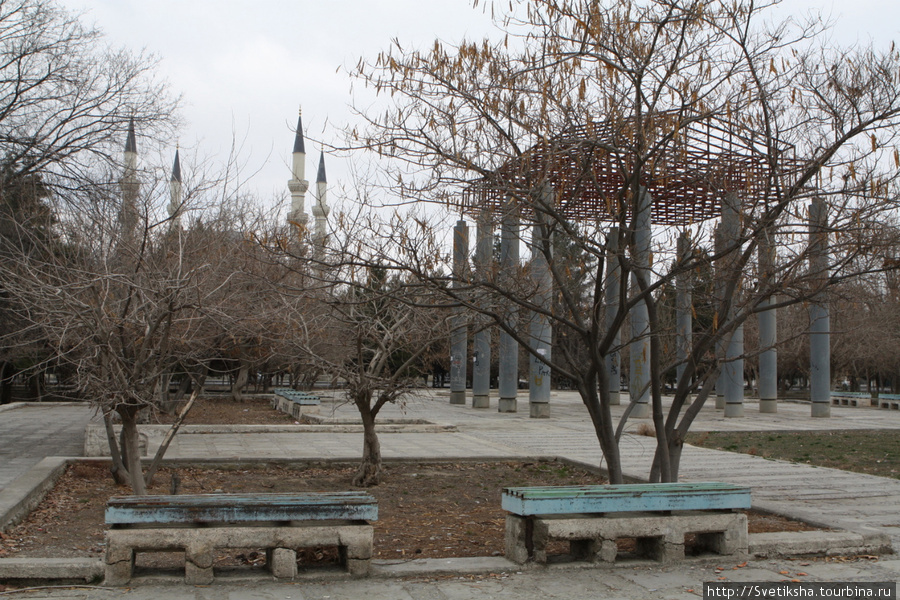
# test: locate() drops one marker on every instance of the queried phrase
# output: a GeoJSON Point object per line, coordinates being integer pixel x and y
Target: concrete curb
{"type": "Point", "coordinates": [51, 569]}
{"type": "Point", "coordinates": [762, 545]}
{"type": "Point", "coordinates": [96, 445]}
{"type": "Point", "coordinates": [13, 405]}
{"type": "Point", "coordinates": [25, 493]}
{"type": "Point", "coordinates": [823, 543]}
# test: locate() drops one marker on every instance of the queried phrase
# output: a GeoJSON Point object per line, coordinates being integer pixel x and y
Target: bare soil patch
{"type": "Point", "coordinates": [427, 510]}
{"type": "Point", "coordinates": [213, 409]}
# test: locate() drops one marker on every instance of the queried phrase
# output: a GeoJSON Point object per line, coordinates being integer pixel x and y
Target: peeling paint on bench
{"type": "Point", "coordinates": [198, 524]}
{"type": "Point", "coordinates": [658, 516]}
{"type": "Point", "coordinates": [552, 500]}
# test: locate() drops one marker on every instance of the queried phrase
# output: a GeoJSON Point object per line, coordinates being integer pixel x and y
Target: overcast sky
{"type": "Point", "coordinates": [244, 67]}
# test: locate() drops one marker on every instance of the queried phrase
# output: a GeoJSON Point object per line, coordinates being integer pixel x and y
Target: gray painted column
{"type": "Point", "coordinates": [718, 273]}
{"type": "Point", "coordinates": [613, 287]}
{"type": "Point", "coordinates": [509, 349]}
{"type": "Point", "coordinates": [683, 316]}
{"type": "Point", "coordinates": [734, 352]}
{"type": "Point", "coordinates": [734, 374]}
{"type": "Point", "coordinates": [541, 330]}
{"type": "Point", "coordinates": [639, 376]}
{"type": "Point", "coordinates": [481, 360]}
{"type": "Point", "coordinates": [459, 336]}
{"type": "Point", "coordinates": [768, 332]}
{"type": "Point", "coordinates": [819, 313]}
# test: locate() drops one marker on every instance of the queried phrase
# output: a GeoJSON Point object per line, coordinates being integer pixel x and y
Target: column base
{"type": "Point", "coordinates": [615, 399]}
{"type": "Point", "coordinates": [768, 405]}
{"type": "Point", "coordinates": [506, 405]}
{"type": "Point", "coordinates": [481, 401]}
{"type": "Point", "coordinates": [821, 409]}
{"type": "Point", "coordinates": [734, 409]}
{"type": "Point", "coordinates": [641, 410]}
{"type": "Point", "coordinates": [539, 410]}
{"type": "Point", "coordinates": [720, 402]}
{"type": "Point", "coordinates": [458, 397]}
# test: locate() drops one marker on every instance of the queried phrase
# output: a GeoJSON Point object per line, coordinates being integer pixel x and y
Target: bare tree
{"type": "Point", "coordinates": [361, 323]}
{"type": "Point", "coordinates": [66, 95]}
{"type": "Point", "coordinates": [66, 99]}
{"type": "Point", "coordinates": [582, 109]}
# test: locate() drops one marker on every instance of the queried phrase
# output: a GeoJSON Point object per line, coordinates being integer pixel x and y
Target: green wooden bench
{"type": "Point", "coordinates": [198, 524]}
{"type": "Point", "coordinates": [657, 515]}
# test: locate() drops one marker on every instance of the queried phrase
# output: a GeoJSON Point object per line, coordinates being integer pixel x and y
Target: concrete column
{"type": "Point", "coordinates": [719, 286]}
{"type": "Point", "coordinates": [683, 316]}
{"type": "Point", "coordinates": [819, 313]}
{"type": "Point", "coordinates": [613, 287]}
{"type": "Point", "coordinates": [734, 352]}
{"type": "Point", "coordinates": [639, 378]}
{"type": "Point", "coordinates": [481, 361]}
{"type": "Point", "coordinates": [734, 374]}
{"type": "Point", "coordinates": [768, 333]}
{"type": "Point", "coordinates": [459, 336]}
{"type": "Point", "coordinates": [541, 329]}
{"type": "Point", "coordinates": [509, 349]}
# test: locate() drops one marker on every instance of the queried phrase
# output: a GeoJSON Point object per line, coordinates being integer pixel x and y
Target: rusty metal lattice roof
{"type": "Point", "coordinates": [691, 169]}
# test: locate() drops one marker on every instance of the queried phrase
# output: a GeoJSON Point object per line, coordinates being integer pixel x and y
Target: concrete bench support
{"type": "Point", "coordinates": [851, 399]}
{"type": "Point", "coordinates": [593, 538]}
{"type": "Point", "coordinates": [353, 538]}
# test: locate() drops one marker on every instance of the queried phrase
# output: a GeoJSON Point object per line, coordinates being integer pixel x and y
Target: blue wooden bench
{"type": "Point", "coordinates": [657, 515]}
{"type": "Point", "coordinates": [198, 524]}
{"type": "Point", "coordinates": [293, 402]}
{"type": "Point", "coordinates": [852, 399]}
{"type": "Point", "coordinates": [889, 401]}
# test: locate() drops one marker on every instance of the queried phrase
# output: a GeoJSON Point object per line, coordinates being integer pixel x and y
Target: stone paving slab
{"type": "Point", "coordinates": [30, 431]}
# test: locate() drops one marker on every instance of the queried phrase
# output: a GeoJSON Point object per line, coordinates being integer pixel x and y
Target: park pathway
{"type": "Point", "coordinates": [31, 431]}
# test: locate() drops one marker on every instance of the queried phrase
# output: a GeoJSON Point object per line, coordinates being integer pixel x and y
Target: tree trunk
{"type": "Point", "coordinates": [131, 449]}
{"type": "Point", "coordinates": [166, 403]}
{"type": "Point", "coordinates": [170, 435]}
{"type": "Point", "coordinates": [118, 470]}
{"type": "Point", "coordinates": [597, 403]}
{"type": "Point", "coordinates": [240, 381]}
{"type": "Point", "coordinates": [369, 473]}
{"type": "Point", "coordinates": [36, 386]}
{"type": "Point", "coordinates": [6, 379]}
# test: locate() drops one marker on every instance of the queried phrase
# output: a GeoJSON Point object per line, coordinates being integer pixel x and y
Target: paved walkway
{"type": "Point", "coordinates": [827, 496]}
{"type": "Point", "coordinates": [32, 431]}
{"type": "Point", "coordinates": [680, 582]}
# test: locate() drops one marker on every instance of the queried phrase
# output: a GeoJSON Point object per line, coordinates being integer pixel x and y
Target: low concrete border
{"type": "Point", "coordinates": [26, 492]}
{"type": "Point", "coordinates": [51, 569]}
{"type": "Point", "coordinates": [827, 543]}
{"type": "Point", "coordinates": [13, 405]}
{"type": "Point", "coordinates": [97, 446]}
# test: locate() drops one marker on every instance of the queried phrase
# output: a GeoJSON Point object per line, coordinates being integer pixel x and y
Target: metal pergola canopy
{"type": "Point", "coordinates": [691, 165]}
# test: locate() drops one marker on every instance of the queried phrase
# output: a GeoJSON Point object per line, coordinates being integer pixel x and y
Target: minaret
{"type": "Point", "coordinates": [129, 185]}
{"type": "Point", "coordinates": [320, 208]}
{"type": "Point", "coordinates": [175, 198]}
{"type": "Point", "coordinates": [298, 184]}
